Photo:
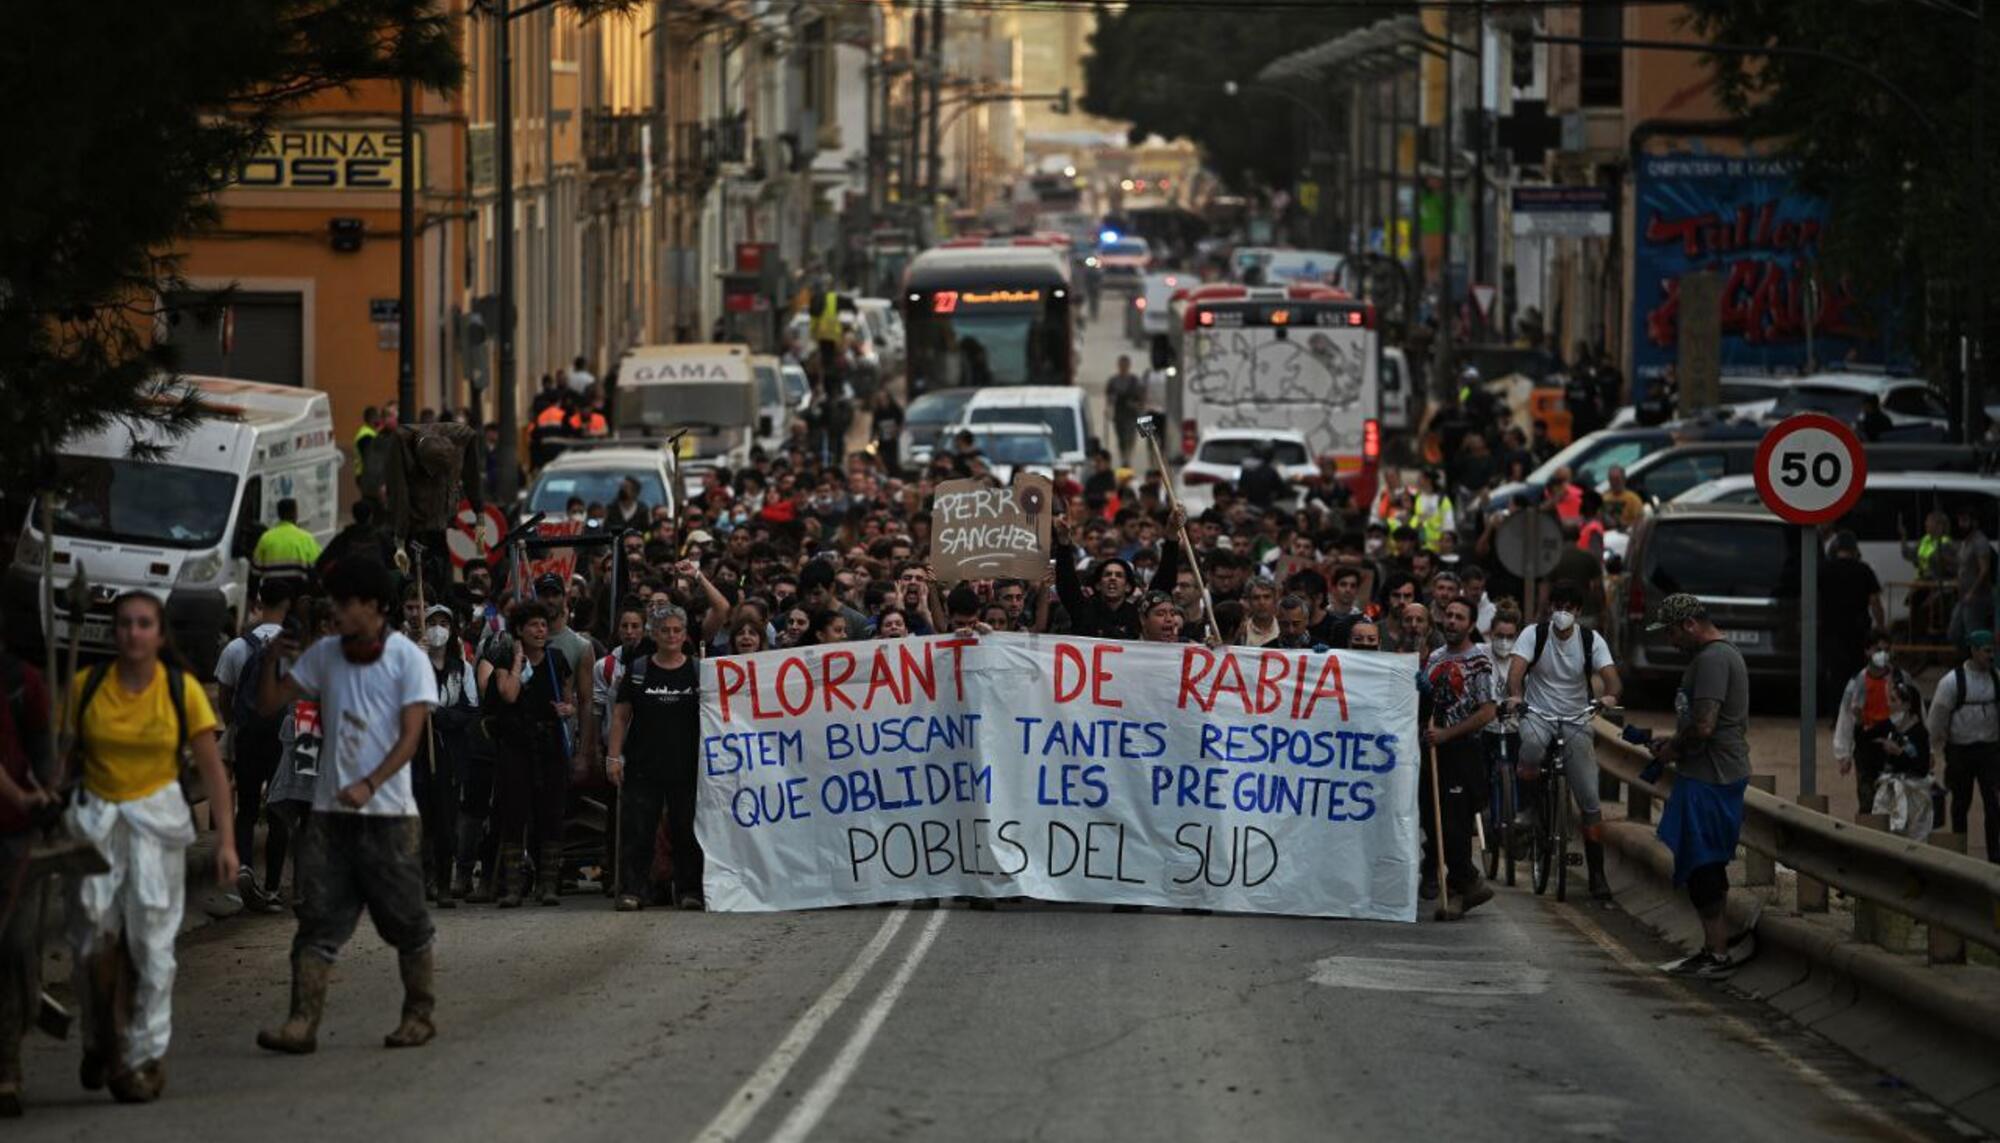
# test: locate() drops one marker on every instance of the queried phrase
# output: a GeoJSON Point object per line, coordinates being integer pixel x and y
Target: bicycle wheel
{"type": "Point", "coordinates": [1559, 831]}
{"type": "Point", "coordinates": [1510, 807]}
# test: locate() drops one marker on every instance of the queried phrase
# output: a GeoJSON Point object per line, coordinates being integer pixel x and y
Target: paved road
{"type": "Point", "coordinates": [1528, 1020]}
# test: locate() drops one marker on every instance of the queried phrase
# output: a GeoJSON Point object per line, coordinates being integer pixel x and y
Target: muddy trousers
{"type": "Point", "coordinates": [350, 862]}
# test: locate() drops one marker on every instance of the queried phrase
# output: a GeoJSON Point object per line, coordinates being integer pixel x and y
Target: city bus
{"type": "Point", "coordinates": [1302, 357]}
{"type": "Point", "coordinates": [989, 314]}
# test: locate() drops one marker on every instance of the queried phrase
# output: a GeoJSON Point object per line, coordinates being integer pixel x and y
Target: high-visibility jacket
{"type": "Point", "coordinates": [1430, 515]}
{"type": "Point", "coordinates": [1928, 547]}
{"type": "Point", "coordinates": [590, 423]}
{"type": "Point", "coordinates": [550, 418]}
{"type": "Point", "coordinates": [364, 437]}
{"type": "Point", "coordinates": [826, 323]}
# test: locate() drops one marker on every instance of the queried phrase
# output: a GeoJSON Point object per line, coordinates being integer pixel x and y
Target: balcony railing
{"type": "Point", "coordinates": [614, 143]}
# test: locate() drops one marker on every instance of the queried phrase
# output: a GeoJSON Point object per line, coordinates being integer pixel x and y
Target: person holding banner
{"type": "Point", "coordinates": [1462, 704]}
{"type": "Point", "coordinates": [655, 733]}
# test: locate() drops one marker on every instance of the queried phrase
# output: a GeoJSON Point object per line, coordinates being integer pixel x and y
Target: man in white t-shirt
{"type": "Point", "coordinates": [1551, 669]}
{"type": "Point", "coordinates": [361, 845]}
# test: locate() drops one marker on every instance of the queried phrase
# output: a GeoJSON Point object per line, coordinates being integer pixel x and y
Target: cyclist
{"type": "Point", "coordinates": [1551, 668]}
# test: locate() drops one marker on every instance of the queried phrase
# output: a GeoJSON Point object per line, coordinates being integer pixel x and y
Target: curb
{"type": "Point", "coordinates": [1925, 1025]}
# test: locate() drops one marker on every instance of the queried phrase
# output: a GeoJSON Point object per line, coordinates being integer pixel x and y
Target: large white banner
{"type": "Point", "coordinates": [1064, 769]}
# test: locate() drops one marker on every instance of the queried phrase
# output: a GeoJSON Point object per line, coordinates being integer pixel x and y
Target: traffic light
{"type": "Point", "coordinates": [1061, 105]}
{"type": "Point", "coordinates": [1521, 70]}
{"type": "Point", "coordinates": [475, 340]}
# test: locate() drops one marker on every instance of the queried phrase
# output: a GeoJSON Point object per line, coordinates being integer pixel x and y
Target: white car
{"type": "Point", "coordinates": [593, 474]}
{"type": "Point", "coordinates": [1009, 447]}
{"type": "Point", "coordinates": [1913, 407]}
{"type": "Point", "coordinates": [1742, 398]}
{"type": "Point", "coordinates": [1152, 309]}
{"type": "Point", "coordinates": [885, 331]}
{"type": "Point", "coordinates": [1065, 409]}
{"type": "Point", "coordinates": [1219, 456]}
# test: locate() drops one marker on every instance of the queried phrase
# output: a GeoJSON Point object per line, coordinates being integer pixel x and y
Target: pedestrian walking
{"type": "Point", "coordinates": [25, 795]}
{"type": "Point", "coordinates": [528, 689]}
{"type": "Point", "coordinates": [1965, 717]}
{"type": "Point", "coordinates": [1462, 705]}
{"type": "Point", "coordinates": [360, 845]}
{"type": "Point", "coordinates": [134, 717]}
{"type": "Point", "coordinates": [439, 771]}
{"type": "Point", "coordinates": [1710, 751]}
{"type": "Point", "coordinates": [655, 730]}
{"type": "Point", "coordinates": [1125, 400]}
{"type": "Point", "coordinates": [253, 747]}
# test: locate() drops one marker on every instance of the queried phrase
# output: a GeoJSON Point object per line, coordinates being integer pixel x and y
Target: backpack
{"type": "Point", "coordinates": [1542, 640]}
{"type": "Point", "coordinates": [1958, 676]}
{"type": "Point", "coordinates": [245, 715]}
{"type": "Point", "coordinates": [176, 693]}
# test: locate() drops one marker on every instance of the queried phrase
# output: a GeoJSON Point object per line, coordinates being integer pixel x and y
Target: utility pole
{"type": "Point", "coordinates": [506, 398]}
{"type": "Point", "coordinates": [913, 169]}
{"type": "Point", "coordinates": [1441, 346]}
{"type": "Point", "coordinates": [1478, 271]}
{"type": "Point", "coordinates": [406, 257]}
{"type": "Point", "coordinates": [937, 86]}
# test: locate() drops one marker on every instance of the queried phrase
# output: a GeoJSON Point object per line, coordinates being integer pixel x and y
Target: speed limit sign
{"type": "Point", "coordinates": [1810, 469]}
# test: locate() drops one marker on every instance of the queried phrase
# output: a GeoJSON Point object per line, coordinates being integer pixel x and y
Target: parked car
{"type": "Point", "coordinates": [924, 423]}
{"type": "Point", "coordinates": [1739, 560]}
{"type": "Point", "coordinates": [1914, 409]}
{"type": "Point", "coordinates": [1667, 475]}
{"type": "Point", "coordinates": [1742, 398]}
{"type": "Point", "coordinates": [1892, 506]}
{"type": "Point", "coordinates": [1010, 447]}
{"type": "Point", "coordinates": [1065, 409]}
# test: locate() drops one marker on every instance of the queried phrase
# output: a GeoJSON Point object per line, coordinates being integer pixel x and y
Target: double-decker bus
{"type": "Point", "coordinates": [989, 313]}
{"type": "Point", "coordinates": [1301, 357]}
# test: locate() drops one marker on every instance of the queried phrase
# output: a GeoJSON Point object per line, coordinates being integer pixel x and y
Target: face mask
{"type": "Point", "coordinates": [578, 517]}
{"type": "Point", "coordinates": [1374, 546]}
{"type": "Point", "coordinates": [1502, 648]}
{"type": "Point", "coordinates": [1879, 660]}
{"type": "Point", "coordinates": [435, 637]}
{"type": "Point", "coordinates": [1563, 620]}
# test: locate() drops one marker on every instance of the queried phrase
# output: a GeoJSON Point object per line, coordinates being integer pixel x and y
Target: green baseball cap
{"type": "Point", "coordinates": [1677, 609]}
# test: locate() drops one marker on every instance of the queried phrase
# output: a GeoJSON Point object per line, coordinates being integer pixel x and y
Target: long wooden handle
{"type": "Point", "coordinates": [1187, 545]}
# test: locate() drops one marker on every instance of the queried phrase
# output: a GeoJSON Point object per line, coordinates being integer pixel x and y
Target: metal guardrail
{"type": "Point", "coordinates": [1946, 891]}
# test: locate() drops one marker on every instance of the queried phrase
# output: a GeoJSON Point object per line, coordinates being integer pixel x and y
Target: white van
{"type": "Point", "coordinates": [1065, 409]}
{"type": "Point", "coordinates": [181, 526]}
{"type": "Point", "coordinates": [1892, 505]}
{"type": "Point", "coordinates": [709, 390]}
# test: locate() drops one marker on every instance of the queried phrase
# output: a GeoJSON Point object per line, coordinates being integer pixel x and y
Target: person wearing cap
{"type": "Point", "coordinates": [1965, 717]}
{"type": "Point", "coordinates": [1850, 606]}
{"type": "Point", "coordinates": [1879, 709]}
{"type": "Point", "coordinates": [1710, 751]}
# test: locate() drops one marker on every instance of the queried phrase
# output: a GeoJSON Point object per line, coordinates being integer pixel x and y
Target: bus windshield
{"type": "Point", "coordinates": [1014, 345]}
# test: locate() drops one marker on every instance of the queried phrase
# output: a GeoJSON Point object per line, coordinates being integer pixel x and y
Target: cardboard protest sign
{"type": "Point", "coordinates": [560, 561]}
{"type": "Point", "coordinates": [982, 532]}
{"type": "Point", "coordinates": [1065, 769]}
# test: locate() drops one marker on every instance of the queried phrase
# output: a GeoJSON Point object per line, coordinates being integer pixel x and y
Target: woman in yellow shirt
{"type": "Point", "coordinates": [123, 922]}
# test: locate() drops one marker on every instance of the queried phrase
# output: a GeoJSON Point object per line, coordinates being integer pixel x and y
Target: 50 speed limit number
{"type": "Point", "coordinates": [1810, 469]}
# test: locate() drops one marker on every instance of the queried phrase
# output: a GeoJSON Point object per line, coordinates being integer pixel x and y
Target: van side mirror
{"type": "Point", "coordinates": [245, 544]}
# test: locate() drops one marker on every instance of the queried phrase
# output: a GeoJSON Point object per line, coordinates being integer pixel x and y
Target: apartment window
{"type": "Point", "coordinates": [1601, 72]}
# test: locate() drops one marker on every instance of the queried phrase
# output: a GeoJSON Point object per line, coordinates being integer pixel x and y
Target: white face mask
{"type": "Point", "coordinates": [435, 637]}
{"type": "Point", "coordinates": [1562, 621]}
{"type": "Point", "coordinates": [1880, 660]}
{"type": "Point", "coordinates": [1502, 648]}
{"type": "Point", "coordinates": [579, 517]}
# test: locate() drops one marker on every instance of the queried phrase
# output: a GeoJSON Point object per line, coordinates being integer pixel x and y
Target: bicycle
{"type": "Point", "coordinates": [1503, 806]}
{"type": "Point", "coordinates": [1548, 835]}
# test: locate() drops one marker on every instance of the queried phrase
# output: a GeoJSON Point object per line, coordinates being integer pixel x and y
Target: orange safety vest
{"type": "Point", "coordinates": [550, 418]}
{"type": "Point", "coordinates": [590, 425]}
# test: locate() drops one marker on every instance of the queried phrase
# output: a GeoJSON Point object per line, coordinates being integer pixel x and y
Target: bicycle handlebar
{"type": "Point", "coordinates": [1581, 718]}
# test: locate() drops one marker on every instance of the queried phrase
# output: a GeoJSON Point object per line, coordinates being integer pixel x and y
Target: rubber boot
{"type": "Point", "coordinates": [13, 1025]}
{"type": "Point", "coordinates": [1593, 857]}
{"type": "Point", "coordinates": [142, 1084]}
{"type": "Point", "coordinates": [469, 830]}
{"type": "Point", "coordinates": [548, 870]}
{"type": "Point", "coordinates": [419, 1001]}
{"type": "Point", "coordinates": [103, 1039]}
{"type": "Point", "coordinates": [299, 1034]}
{"type": "Point", "coordinates": [511, 862]}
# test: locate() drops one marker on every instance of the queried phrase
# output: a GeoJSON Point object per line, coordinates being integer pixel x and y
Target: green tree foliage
{"type": "Point", "coordinates": [1903, 196]}
{"type": "Point", "coordinates": [1162, 65]}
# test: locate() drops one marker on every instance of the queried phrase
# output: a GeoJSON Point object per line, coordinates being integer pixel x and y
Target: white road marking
{"type": "Point", "coordinates": [750, 1098]}
{"type": "Point", "coordinates": [814, 1104]}
{"type": "Point", "coordinates": [1458, 977]}
{"type": "Point", "coordinates": [1826, 1085]}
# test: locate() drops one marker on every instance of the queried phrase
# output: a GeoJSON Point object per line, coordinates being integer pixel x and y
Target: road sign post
{"type": "Point", "coordinates": [1809, 470]}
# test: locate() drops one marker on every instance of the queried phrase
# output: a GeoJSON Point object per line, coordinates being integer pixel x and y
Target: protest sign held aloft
{"type": "Point", "coordinates": [982, 532]}
{"type": "Point", "coordinates": [1064, 769]}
